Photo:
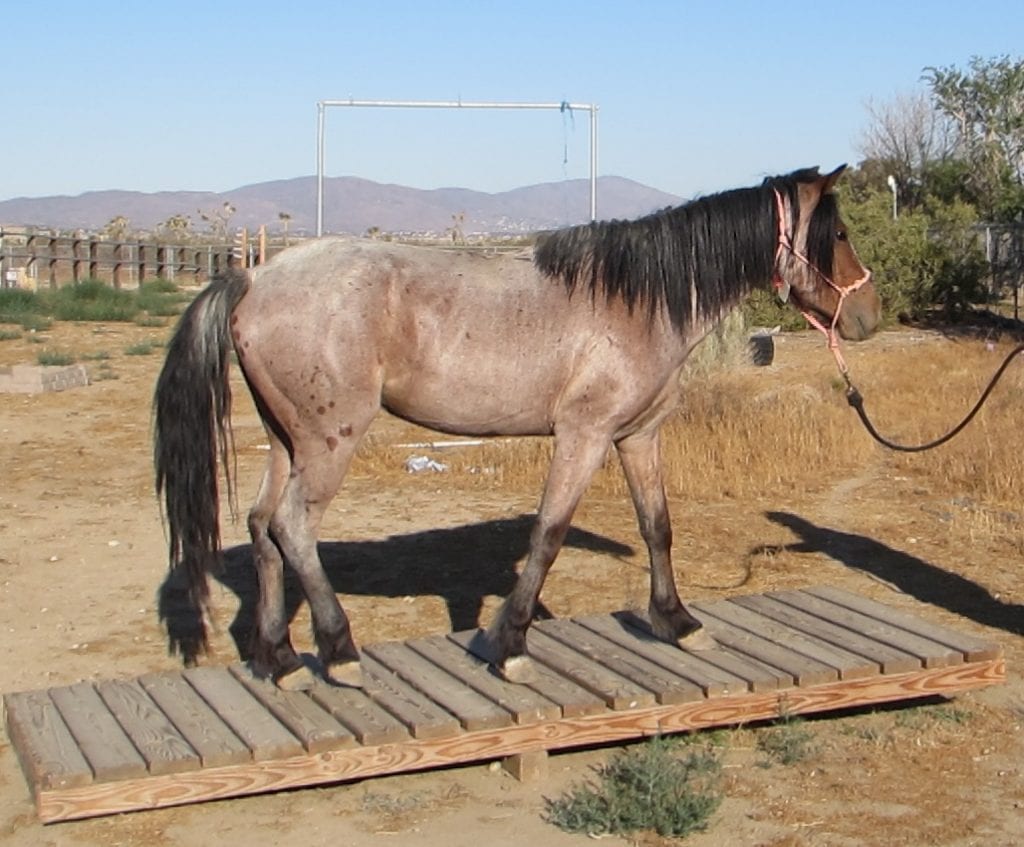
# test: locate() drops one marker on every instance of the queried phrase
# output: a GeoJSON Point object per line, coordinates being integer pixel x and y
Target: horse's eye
{"type": "Point", "coordinates": [840, 235]}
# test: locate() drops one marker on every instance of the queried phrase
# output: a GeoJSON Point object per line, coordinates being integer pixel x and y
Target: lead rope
{"type": "Point", "coordinates": [853, 396]}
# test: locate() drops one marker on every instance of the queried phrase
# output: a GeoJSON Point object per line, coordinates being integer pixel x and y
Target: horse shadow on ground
{"type": "Point", "coordinates": [462, 565]}
{"type": "Point", "coordinates": [927, 582]}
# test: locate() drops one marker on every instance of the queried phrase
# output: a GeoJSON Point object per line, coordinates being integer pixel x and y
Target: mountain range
{"type": "Point", "coordinates": [351, 205]}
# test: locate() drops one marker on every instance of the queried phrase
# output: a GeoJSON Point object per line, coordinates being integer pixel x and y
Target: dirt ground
{"type": "Point", "coordinates": [82, 552]}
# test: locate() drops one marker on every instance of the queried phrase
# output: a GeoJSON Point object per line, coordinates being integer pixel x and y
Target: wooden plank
{"type": "Point", "coordinates": [827, 625]}
{"type": "Point", "coordinates": [571, 698]}
{"type": "Point", "coordinates": [207, 734]}
{"type": "Point", "coordinates": [881, 657]}
{"type": "Point", "coordinates": [802, 670]}
{"type": "Point", "coordinates": [617, 691]}
{"type": "Point", "coordinates": [109, 752]}
{"type": "Point", "coordinates": [720, 671]}
{"type": "Point", "coordinates": [161, 744]}
{"type": "Point", "coordinates": [48, 752]}
{"type": "Point", "coordinates": [750, 614]}
{"type": "Point", "coordinates": [523, 703]}
{"type": "Point", "coordinates": [355, 709]}
{"type": "Point", "coordinates": [588, 640]}
{"type": "Point", "coordinates": [421, 716]}
{"type": "Point", "coordinates": [973, 649]}
{"type": "Point", "coordinates": [929, 654]}
{"type": "Point", "coordinates": [473, 710]}
{"type": "Point", "coordinates": [364, 762]}
{"type": "Point", "coordinates": [262, 733]}
{"type": "Point", "coordinates": [316, 729]}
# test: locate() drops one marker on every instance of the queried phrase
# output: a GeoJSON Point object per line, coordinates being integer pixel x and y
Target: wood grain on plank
{"type": "Point", "coordinates": [523, 703]}
{"type": "Point", "coordinates": [47, 750]}
{"type": "Point", "coordinates": [473, 710]}
{"type": "Point", "coordinates": [214, 741]}
{"type": "Point", "coordinates": [314, 727]}
{"type": "Point", "coordinates": [161, 744]}
{"type": "Point", "coordinates": [367, 721]}
{"type": "Point", "coordinates": [249, 719]}
{"type": "Point", "coordinates": [572, 699]}
{"type": "Point", "coordinates": [882, 658]}
{"type": "Point", "coordinates": [617, 691]}
{"type": "Point", "coordinates": [973, 649]}
{"type": "Point", "coordinates": [802, 669]}
{"type": "Point", "coordinates": [108, 750]}
{"type": "Point", "coordinates": [756, 616]}
{"type": "Point", "coordinates": [421, 715]}
{"type": "Point", "coordinates": [929, 654]}
{"type": "Point", "coordinates": [720, 671]}
{"type": "Point", "coordinates": [588, 639]}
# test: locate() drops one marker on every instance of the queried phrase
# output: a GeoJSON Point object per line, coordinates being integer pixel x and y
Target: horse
{"type": "Point", "coordinates": [582, 340]}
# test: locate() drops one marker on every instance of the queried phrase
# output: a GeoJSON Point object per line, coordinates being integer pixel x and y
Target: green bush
{"type": "Point", "coordinates": [647, 787]}
{"type": "Point", "coordinates": [924, 259]}
{"type": "Point", "coordinates": [90, 300]}
{"type": "Point", "coordinates": [160, 298]}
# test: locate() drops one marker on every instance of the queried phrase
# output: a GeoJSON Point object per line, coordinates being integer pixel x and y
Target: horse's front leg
{"type": "Point", "coordinates": [640, 455]}
{"type": "Point", "coordinates": [577, 456]}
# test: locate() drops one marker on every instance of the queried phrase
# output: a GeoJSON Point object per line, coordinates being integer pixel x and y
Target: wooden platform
{"type": "Point", "coordinates": [98, 748]}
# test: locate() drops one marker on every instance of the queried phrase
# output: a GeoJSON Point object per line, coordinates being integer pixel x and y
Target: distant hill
{"type": "Point", "coordinates": [351, 205]}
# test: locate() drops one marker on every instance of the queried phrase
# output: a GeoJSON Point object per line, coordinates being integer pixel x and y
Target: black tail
{"type": "Point", "coordinates": [192, 409]}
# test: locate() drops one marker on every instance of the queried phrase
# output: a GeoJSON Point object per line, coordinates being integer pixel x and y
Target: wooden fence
{"type": "Point", "coordinates": [33, 259]}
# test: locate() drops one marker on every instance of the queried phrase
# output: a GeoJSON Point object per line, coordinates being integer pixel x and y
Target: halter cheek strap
{"type": "Point", "coordinates": [784, 245]}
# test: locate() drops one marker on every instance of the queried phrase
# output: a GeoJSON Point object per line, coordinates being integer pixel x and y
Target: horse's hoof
{"type": "Point", "coordinates": [518, 669]}
{"type": "Point", "coordinates": [346, 673]}
{"type": "Point", "coordinates": [697, 640]}
{"type": "Point", "coordinates": [300, 679]}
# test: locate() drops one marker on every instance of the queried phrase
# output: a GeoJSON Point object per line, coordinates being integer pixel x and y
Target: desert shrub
{"type": "Point", "coordinates": [786, 742]}
{"type": "Point", "coordinates": [54, 357]}
{"type": "Point", "coordinates": [648, 787]}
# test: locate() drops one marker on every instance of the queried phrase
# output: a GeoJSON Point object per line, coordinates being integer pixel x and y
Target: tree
{"type": "Point", "coordinates": [217, 219]}
{"type": "Point", "coordinates": [907, 138]}
{"type": "Point", "coordinates": [117, 228]}
{"type": "Point", "coordinates": [986, 106]}
{"type": "Point", "coordinates": [177, 228]}
{"type": "Point", "coordinates": [285, 218]}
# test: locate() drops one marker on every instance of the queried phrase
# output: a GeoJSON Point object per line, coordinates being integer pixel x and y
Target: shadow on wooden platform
{"type": "Point", "coordinates": [98, 748]}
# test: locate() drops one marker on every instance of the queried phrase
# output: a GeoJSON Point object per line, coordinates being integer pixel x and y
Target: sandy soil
{"type": "Point", "coordinates": [82, 552]}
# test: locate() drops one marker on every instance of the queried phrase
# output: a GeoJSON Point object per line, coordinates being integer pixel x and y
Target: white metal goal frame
{"type": "Point", "coordinates": [323, 105]}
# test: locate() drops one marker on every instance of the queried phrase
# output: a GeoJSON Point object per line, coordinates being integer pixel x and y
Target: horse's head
{"type": "Point", "coordinates": [815, 263]}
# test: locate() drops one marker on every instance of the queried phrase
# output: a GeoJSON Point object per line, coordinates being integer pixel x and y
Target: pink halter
{"type": "Point", "coordinates": [785, 243]}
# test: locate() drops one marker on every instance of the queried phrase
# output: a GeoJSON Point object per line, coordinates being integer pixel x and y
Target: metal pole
{"type": "Point", "coordinates": [319, 169]}
{"type": "Point", "coordinates": [593, 163]}
{"type": "Point", "coordinates": [322, 105]}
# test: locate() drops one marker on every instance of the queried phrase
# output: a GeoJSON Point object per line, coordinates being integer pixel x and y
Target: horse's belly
{"type": "Point", "coordinates": [469, 402]}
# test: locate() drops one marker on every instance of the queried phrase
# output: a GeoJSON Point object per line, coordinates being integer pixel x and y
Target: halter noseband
{"type": "Point", "coordinates": [785, 244]}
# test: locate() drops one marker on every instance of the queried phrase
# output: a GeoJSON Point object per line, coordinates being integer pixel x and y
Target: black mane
{"type": "Point", "coordinates": [721, 246]}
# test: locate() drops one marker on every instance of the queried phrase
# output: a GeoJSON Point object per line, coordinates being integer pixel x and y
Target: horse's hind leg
{"type": "Point", "coordinates": [641, 462]}
{"type": "Point", "coordinates": [317, 472]}
{"type": "Point", "coordinates": [576, 457]}
{"type": "Point", "coordinates": [272, 651]}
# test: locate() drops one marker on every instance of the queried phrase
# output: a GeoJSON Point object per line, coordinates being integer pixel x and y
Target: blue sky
{"type": "Point", "coordinates": [693, 97]}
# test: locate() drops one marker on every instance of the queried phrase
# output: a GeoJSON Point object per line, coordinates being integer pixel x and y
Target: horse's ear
{"type": "Point", "coordinates": [831, 179]}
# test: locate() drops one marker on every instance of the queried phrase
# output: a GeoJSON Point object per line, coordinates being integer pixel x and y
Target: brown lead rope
{"type": "Point", "coordinates": [853, 397]}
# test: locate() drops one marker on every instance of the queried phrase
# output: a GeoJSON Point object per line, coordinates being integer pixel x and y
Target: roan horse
{"type": "Point", "coordinates": [585, 343]}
